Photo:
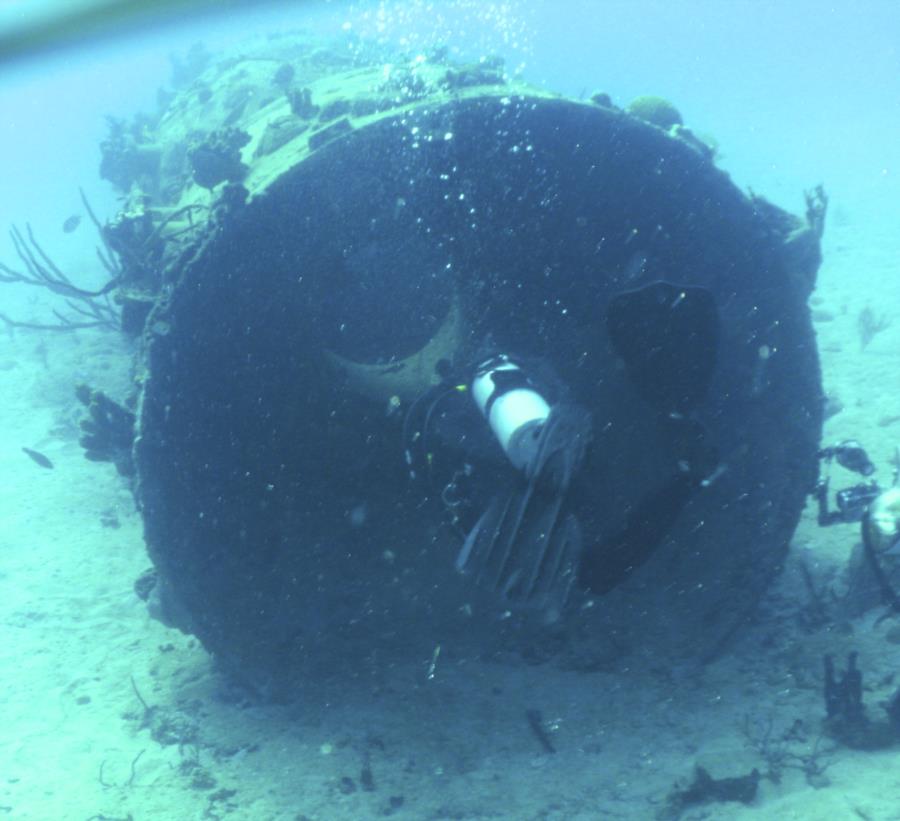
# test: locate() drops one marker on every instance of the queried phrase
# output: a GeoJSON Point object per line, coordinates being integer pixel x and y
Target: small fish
{"type": "Point", "coordinates": [42, 460]}
{"type": "Point", "coordinates": [71, 223]}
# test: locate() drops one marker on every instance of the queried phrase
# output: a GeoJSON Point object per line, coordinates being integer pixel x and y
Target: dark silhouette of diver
{"type": "Point", "coordinates": [528, 542]}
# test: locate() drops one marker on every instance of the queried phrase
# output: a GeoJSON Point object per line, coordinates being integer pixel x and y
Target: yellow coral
{"type": "Point", "coordinates": [655, 110]}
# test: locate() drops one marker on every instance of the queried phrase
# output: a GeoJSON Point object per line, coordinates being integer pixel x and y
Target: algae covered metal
{"type": "Point", "coordinates": [311, 237]}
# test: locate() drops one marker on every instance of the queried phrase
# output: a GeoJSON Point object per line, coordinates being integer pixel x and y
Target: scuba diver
{"type": "Point", "coordinates": [522, 517]}
{"type": "Point", "coordinates": [875, 508]}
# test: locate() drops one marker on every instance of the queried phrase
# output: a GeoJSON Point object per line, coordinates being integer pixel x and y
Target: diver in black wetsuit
{"type": "Point", "coordinates": [527, 542]}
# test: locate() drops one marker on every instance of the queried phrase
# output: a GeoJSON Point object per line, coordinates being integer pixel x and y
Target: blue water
{"type": "Point", "coordinates": [794, 93]}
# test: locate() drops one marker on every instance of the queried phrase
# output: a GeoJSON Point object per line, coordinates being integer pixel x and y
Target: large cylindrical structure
{"type": "Point", "coordinates": [278, 510]}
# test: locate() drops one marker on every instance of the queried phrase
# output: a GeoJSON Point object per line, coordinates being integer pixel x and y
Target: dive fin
{"type": "Point", "coordinates": [524, 547]}
{"type": "Point", "coordinates": [527, 545]}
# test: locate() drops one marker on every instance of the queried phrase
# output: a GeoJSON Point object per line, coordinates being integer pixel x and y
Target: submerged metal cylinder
{"type": "Point", "coordinates": [526, 213]}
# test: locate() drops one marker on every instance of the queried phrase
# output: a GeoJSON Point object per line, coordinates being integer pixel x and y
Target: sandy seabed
{"type": "Point", "coordinates": [106, 714]}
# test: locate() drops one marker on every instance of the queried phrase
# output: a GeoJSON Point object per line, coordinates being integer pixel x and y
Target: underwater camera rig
{"type": "Point", "coordinates": [850, 502]}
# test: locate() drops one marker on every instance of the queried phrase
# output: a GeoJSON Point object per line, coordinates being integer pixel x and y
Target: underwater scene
{"type": "Point", "coordinates": [450, 410]}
